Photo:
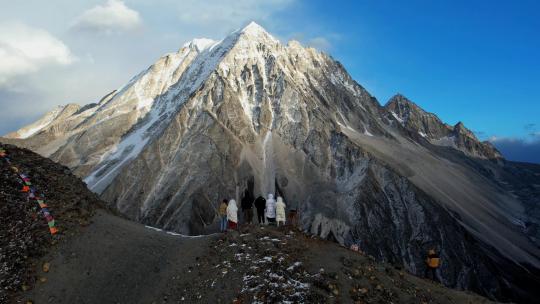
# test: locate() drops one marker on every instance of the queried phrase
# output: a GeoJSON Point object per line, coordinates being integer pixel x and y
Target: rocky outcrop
{"type": "Point", "coordinates": [248, 112]}
{"type": "Point", "coordinates": [430, 127]}
{"type": "Point", "coordinates": [411, 116]}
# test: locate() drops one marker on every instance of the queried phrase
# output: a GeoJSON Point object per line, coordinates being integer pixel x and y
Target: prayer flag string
{"type": "Point", "coordinates": [32, 193]}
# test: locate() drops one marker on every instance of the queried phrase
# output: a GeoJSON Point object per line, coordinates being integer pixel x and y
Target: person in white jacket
{"type": "Point", "coordinates": [232, 214]}
{"type": "Point", "coordinates": [271, 209]}
{"type": "Point", "coordinates": [280, 211]}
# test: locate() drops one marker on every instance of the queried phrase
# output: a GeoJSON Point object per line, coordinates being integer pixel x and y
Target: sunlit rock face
{"type": "Point", "coordinates": [250, 113]}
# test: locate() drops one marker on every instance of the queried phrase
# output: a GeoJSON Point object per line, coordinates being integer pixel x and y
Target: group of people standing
{"type": "Point", "coordinates": [269, 211]}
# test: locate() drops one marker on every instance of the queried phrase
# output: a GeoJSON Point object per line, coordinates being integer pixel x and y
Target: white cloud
{"type": "Point", "coordinates": [519, 149]}
{"type": "Point", "coordinates": [113, 16]}
{"type": "Point", "coordinates": [24, 50]}
{"type": "Point", "coordinates": [105, 61]}
{"type": "Point", "coordinates": [320, 43]}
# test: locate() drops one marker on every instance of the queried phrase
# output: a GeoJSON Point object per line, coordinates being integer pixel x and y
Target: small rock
{"type": "Point", "coordinates": [43, 279]}
{"type": "Point", "coordinates": [46, 267]}
{"type": "Point", "coordinates": [346, 262]}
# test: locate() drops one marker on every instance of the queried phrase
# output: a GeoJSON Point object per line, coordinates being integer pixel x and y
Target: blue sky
{"type": "Point", "coordinates": [470, 61]}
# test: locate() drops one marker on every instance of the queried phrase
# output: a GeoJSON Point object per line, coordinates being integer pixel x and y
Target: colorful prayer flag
{"type": "Point", "coordinates": [27, 187]}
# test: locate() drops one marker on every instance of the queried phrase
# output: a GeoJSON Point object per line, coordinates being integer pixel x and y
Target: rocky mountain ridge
{"type": "Point", "coordinates": [429, 126]}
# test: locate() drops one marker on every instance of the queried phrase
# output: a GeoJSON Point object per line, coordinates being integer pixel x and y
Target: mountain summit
{"type": "Point", "coordinates": [248, 113]}
{"type": "Point", "coordinates": [429, 126]}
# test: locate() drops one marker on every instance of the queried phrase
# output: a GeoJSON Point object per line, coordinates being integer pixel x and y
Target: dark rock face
{"type": "Point", "coordinates": [429, 126]}
{"type": "Point", "coordinates": [413, 117]}
{"type": "Point", "coordinates": [216, 119]}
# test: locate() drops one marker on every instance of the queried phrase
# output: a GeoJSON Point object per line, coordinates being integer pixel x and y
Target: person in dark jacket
{"type": "Point", "coordinates": [293, 214]}
{"type": "Point", "coordinates": [247, 207]}
{"type": "Point", "coordinates": [260, 204]}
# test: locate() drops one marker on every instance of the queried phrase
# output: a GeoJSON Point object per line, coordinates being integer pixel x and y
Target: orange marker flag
{"type": "Point", "coordinates": [53, 230]}
{"type": "Point", "coordinates": [42, 204]}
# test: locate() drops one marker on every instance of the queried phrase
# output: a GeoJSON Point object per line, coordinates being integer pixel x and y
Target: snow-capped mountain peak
{"type": "Point", "coordinates": [199, 44]}
{"type": "Point", "coordinates": [254, 28]}
{"type": "Point", "coordinates": [247, 113]}
{"type": "Point", "coordinates": [254, 31]}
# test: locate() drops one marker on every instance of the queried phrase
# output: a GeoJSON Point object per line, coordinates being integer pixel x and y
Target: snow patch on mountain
{"type": "Point", "coordinates": [46, 120]}
{"type": "Point", "coordinates": [447, 141]}
{"type": "Point", "coordinates": [401, 121]}
{"type": "Point", "coordinates": [161, 111]}
{"type": "Point", "coordinates": [199, 43]}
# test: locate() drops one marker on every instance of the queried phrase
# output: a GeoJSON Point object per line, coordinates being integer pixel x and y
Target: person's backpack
{"type": "Point", "coordinates": [433, 261]}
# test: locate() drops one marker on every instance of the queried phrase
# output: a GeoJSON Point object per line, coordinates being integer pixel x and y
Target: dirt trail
{"type": "Point", "coordinates": [117, 261]}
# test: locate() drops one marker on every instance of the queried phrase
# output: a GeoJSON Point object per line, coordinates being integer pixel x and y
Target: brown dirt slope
{"type": "Point", "coordinates": [24, 234]}
{"type": "Point", "coordinates": [118, 261]}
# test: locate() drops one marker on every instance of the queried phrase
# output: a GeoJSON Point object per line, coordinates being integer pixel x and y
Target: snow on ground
{"type": "Point", "coordinates": [178, 234]}
{"type": "Point", "coordinates": [272, 275]}
{"type": "Point", "coordinates": [447, 141]}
